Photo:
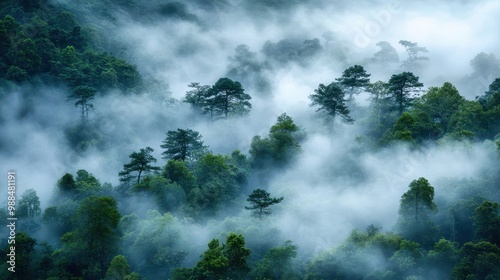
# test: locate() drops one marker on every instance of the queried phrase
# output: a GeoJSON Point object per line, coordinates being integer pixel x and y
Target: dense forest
{"type": "Point", "coordinates": [264, 139]}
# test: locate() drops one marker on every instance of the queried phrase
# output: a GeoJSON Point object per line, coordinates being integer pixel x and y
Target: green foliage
{"type": "Point", "coordinates": [477, 261]}
{"type": "Point", "coordinates": [226, 98]}
{"type": "Point", "coordinates": [276, 263]}
{"type": "Point", "coordinates": [402, 88]}
{"type": "Point", "coordinates": [260, 201]}
{"type": "Point", "coordinates": [469, 117]}
{"type": "Point", "coordinates": [487, 222]}
{"type": "Point", "coordinates": [153, 243]}
{"type": "Point", "coordinates": [168, 196]}
{"type": "Point", "coordinates": [280, 148]}
{"type": "Point", "coordinates": [50, 45]}
{"type": "Point", "coordinates": [118, 268]}
{"type": "Point", "coordinates": [443, 257]}
{"type": "Point", "coordinates": [440, 104]}
{"type": "Point", "coordinates": [24, 256]}
{"type": "Point", "coordinates": [331, 100]}
{"type": "Point", "coordinates": [66, 183]}
{"type": "Point", "coordinates": [354, 79]}
{"type": "Point", "coordinates": [96, 219]}
{"type": "Point", "coordinates": [415, 208]}
{"type": "Point", "coordinates": [178, 172]}
{"type": "Point", "coordinates": [184, 145]}
{"type": "Point", "coordinates": [140, 163]}
{"type": "Point", "coordinates": [29, 204]}
{"type": "Point", "coordinates": [83, 95]}
{"type": "Point", "coordinates": [217, 184]}
{"type": "Point", "coordinates": [226, 261]}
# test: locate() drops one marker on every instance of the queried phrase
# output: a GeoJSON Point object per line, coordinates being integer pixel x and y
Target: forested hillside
{"type": "Point", "coordinates": [237, 139]}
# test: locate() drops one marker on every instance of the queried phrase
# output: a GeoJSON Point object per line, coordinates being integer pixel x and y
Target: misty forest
{"type": "Point", "coordinates": [251, 139]}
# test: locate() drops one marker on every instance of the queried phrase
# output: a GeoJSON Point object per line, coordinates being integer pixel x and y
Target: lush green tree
{"type": "Point", "coordinates": [178, 172]}
{"type": "Point", "coordinates": [140, 164]}
{"type": "Point", "coordinates": [118, 268]}
{"type": "Point", "coordinates": [184, 145]}
{"type": "Point", "coordinates": [169, 196]}
{"type": "Point", "coordinates": [281, 146]}
{"type": "Point", "coordinates": [89, 248]}
{"type": "Point", "coordinates": [402, 87]}
{"type": "Point", "coordinates": [217, 184]}
{"type": "Point", "coordinates": [478, 261]}
{"type": "Point", "coordinates": [469, 119]}
{"type": "Point", "coordinates": [415, 208]}
{"type": "Point", "coordinates": [213, 263]}
{"type": "Point", "coordinates": [66, 183]}
{"type": "Point", "coordinates": [440, 103]}
{"type": "Point", "coordinates": [197, 96]}
{"type": "Point", "coordinates": [153, 243]}
{"type": "Point", "coordinates": [487, 222]}
{"type": "Point", "coordinates": [276, 263]}
{"type": "Point", "coordinates": [353, 80]}
{"type": "Point", "coordinates": [227, 98]}
{"type": "Point", "coordinates": [226, 261]}
{"type": "Point", "coordinates": [380, 108]}
{"type": "Point", "coordinates": [407, 260]}
{"type": "Point", "coordinates": [29, 204]}
{"type": "Point", "coordinates": [86, 184]}
{"type": "Point", "coordinates": [237, 256]}
{"type": "Point", "coordinates": [261, 200]}
{"type": "Point", "coordinates": [26, 56]}
{"type": "Point", "coordinates": [25, 251]}
{"type": "Point", "coordinates": [443, 257]}
{"type": "Point", "coordinates": [83, 95]}
{"type": "Point", "coordinates": [331, 100]}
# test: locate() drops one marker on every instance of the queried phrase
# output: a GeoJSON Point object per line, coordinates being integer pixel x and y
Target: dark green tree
{"type": "Point", "coordinates": [217, 184]}
{"type": "Point", "coordinates": [237, 256]}
{"type": "Point", "coordinates": [281, 146]}
{"type": "Point", "coordinates": [331, 100]}
{"type": "Point", "coordinates": [226, 261]}
{"type": "Point", "coordinates": [178, 172]}
{"type": "Point", "coordinates": [89, 248]}
{"type": "Point", "coordinates": [353, 80]}
{"type": "Point", "coordinates": [184, 145]}
{"type": "Point", "coordinates": [439, 103]}
{"type": "Point", "coordinates": [380, 108]}
{"type": "Point", "coordinates": [197, 97]}
{"type": "Point", "coordinates": [415, 208]}
{"type": "Point", "coordinates": [487, 222]}
{"type": "Point", "coordinates": [213, 263]}
{"type": "Point", "coordinates": [140, 164]}
{"type": "Point", "coordinates": [66, 183]}
{"type": "Point", "coordinates": [83, 95]}
{"type": "Point", "coordinates": [276, 263]}
{"type": "Point", "coordinates": [260, 201]}
{"type": "Point", "coordinates": [402, 88]}
{"type": "Point", "coordinates": [29, 204]}
{"type": "Point", "coordinates": [478, 261]}
{"type": "Point", "coordinates": [118, 268]}
{"type": "Point", "coordinates": [227, 98]}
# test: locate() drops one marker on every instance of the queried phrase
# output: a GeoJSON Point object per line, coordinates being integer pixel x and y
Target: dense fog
{"type": "Point", "coordinates": [280, 51]}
